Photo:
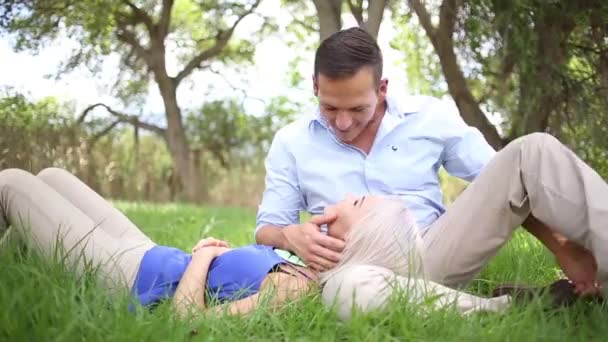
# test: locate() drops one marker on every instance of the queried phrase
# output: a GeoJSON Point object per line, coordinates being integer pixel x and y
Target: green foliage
{"type": "Point", "coordinates": [531, 56]}
{"type": "Point", "coordinates": [545, 58]}
{"type": "Point", "coordinates": [41, 301]}
{"type": "Point", "coordinates": [301, 36]}
{"type": "Point", "coordinates": [136, 165]}
{"type": "Point", "coordinates": [540, 65]}
{"type": "Point", "coordinates": [149, 37]}
{"type": "Point", "coordinates": [36, 24]}
{"type": "Point", "coordinates": [223, 129]}
{"type": "Point", "coordinates": [43, 129]}
{"type": "Point", "coordinates": [196, 25]}
{"type": "Point", "coordinates": [420, 61]}
{"type": "Point", "coordinates": [104, 27]}
{"type": "Point", "coordinates": [47, 112]}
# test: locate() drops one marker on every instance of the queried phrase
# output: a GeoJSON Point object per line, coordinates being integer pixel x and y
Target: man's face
{"type": "Point", "coordinates": [349, 104]}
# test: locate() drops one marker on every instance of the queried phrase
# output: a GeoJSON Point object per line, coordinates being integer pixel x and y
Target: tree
{"type": "Point", "coordinates": [441, 37]}
{"type": "Point", "coordinates": [328, 17]}
{"type": "Point", "coordinates": [532, 61]}
{"type": "Point", "coordinates": [145, 34]}
{"type": "Point", "coordinates": [421, 64]}
{"type": "Point", "coordinates": [36, 134]}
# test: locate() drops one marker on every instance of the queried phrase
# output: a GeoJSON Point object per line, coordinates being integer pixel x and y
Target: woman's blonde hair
{"type": "Point", "coordinates": [387, 236]}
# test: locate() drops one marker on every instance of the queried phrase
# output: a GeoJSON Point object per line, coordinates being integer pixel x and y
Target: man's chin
{"type": "Point", "coordinates": [345, 138]}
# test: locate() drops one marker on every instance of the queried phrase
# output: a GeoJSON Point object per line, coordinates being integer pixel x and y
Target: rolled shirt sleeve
{"type": "Point", "coordinates": [466, 151]}
{"type": "Point", "coordinates": [282, 200]}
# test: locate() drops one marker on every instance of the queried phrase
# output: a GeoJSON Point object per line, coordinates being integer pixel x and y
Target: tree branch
{"type": "Point", "coordinates": [132, 119]}
{"type": "Point", "coordinates": [93, 140]}
{"type": "Point", "coordinates": [375, 12]}
{"type": "Point", "coordinates": [586, 48]}
{"type": "Point", "coordinates": [235, 88]}
{"type": "Point", "coordinates": [128, 37]}
{"type": "Point", "coordinates": [447, 16]}
{"type": "Point", "coordinates": [140, 16]}
{"type": "Point", "coordinates": [329, 13]}
{"type": "Point", "coordinates": [305, 25]}
{"type": "Point", "coordinates": [222, 39]}
{"type": "Point", "coordinates": [443, 44]}
{"type": "Point", "coordinates": [357, 11]}
{"type": "Point", "coordinates": [424, 18]}
{"type": "Point", "coordinates": [165, 19]}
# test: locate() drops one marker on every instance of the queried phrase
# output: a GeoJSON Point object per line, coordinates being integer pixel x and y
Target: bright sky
{"type": "Point", "coordinates": [268, 78]}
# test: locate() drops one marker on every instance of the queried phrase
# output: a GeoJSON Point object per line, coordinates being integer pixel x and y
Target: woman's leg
{"type": "Point", "coordinates": [51, 223]}
{"type": "Point", "coordinates": [108, 218]}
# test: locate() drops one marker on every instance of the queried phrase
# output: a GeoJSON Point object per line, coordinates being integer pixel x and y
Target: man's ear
{"type": "Point", "coordinates": [315, 85]}
{"type": "Point", "coordinates": [382, 89]}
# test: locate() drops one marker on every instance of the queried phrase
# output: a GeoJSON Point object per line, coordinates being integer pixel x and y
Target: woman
{"type": "Point", "coordinates": [55, 209]}
{"type": "Point", "coordinates": [385, 240]}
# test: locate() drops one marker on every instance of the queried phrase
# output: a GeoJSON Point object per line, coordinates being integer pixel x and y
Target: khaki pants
{"type": "Point", "coordinates": [56, 212]}
{"type": "Point", "coordinates": [534, 174]}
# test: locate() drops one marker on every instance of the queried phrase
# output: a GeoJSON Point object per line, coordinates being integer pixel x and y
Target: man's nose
{"type": "Point", "coordinates": [343, 121]}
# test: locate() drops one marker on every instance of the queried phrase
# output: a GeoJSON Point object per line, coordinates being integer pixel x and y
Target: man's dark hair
{"type": "Point", "coordinates": [345, 52]}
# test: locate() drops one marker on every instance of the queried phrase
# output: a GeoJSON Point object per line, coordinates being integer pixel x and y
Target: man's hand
{"type": "Point", "coordinates": [580, 266]}
{"type": "Point", "coordinates": [319, 251]}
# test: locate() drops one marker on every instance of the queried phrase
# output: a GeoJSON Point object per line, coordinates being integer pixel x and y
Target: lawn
{"type": "Point", "coordinates": [41, 302]}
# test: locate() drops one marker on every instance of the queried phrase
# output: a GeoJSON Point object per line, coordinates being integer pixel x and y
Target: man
{"type": "Point", "coordinates": [363, 142]}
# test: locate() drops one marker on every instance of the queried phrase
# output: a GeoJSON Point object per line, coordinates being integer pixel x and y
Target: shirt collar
{"type": "Point", "coordinates": [396, 110]}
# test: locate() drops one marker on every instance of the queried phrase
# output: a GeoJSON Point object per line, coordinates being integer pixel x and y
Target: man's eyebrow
{"type": "Point", "coordinates": [327, 105]}
{"type": "Point", "coordinates": [360, 107]}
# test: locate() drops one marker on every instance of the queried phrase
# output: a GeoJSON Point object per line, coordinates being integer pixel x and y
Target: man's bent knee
{"type": "Point", "coordinates": [539, 139]}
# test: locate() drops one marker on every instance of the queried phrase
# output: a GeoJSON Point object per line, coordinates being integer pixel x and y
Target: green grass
{"type": "Point", "coordinates": [39, 301]}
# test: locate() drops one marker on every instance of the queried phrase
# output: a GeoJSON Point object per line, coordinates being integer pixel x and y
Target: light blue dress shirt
{"type": "Point", "coordinates": [307, 167]}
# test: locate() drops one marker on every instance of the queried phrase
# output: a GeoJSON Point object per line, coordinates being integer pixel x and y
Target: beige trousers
{"type": "Point", "coordinates": [534, 174]}
{"type": "Point", "coordinates": [62, 217]}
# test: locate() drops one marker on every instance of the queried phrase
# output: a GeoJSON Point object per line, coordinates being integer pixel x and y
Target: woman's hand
{"type": "Point", "coordinates": [211, 252]}
{"type": "Point", "coordinates": [209, 242]}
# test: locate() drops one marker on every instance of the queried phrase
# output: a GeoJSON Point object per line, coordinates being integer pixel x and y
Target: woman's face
{"type": "Point", "coordinates": [348, 212]}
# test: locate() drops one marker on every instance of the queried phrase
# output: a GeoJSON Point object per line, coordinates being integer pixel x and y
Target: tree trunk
{"type": "Point", "coordinates": [541, 85]}
{"type": "Point", "coordinates": [443, 44]}
{"type": "Point", "coordinates": [196, 165]}
{"type": "Point", "coordinates": [599, 32]}
{"type": "Point", "coordinates": [375, 13]}
{"type": "Point", "coordinates": [329, 13]}
{"type": "Point", "coordinates": [465, 101]}
{"type": "Point", "coordinates": [176, 140]}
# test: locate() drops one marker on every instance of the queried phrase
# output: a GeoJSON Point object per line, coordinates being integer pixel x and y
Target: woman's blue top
{"type": "Point", "coordinates": [233, 275]}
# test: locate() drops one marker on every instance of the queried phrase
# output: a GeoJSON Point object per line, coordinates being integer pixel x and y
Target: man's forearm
{"type": "Point", "coordinates": [271, 235]}
{"type": "Point", "coordinates": [552, 240]}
